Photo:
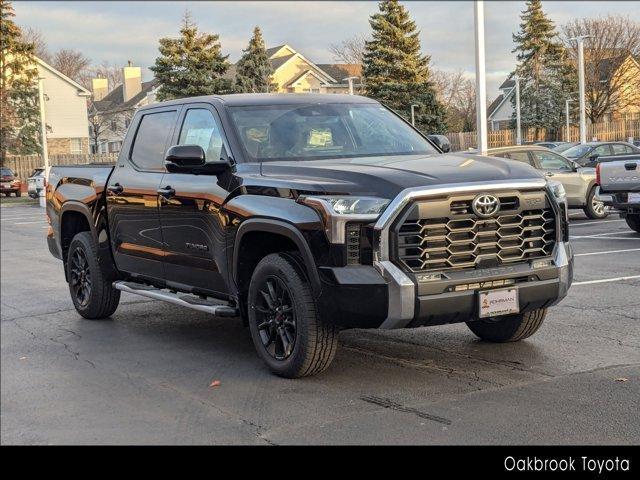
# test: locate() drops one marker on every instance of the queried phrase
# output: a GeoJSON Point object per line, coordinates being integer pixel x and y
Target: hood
{"type": "Point", "coordinates": [387, 176]}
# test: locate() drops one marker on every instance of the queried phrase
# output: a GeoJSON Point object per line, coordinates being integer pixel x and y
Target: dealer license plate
{"type": "Point", "coordinates": [494, 303]}
{"type": "Point", "coordinates": [633, 197]}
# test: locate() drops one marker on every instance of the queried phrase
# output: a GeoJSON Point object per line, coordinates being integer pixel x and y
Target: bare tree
{"type": "Point", "coordinates": [457, 93]}
{"type": "Point", "coordinates": [350, 50]}
{"type": "Point", "coordinates": [71, 63]}
{"type": "Point", "coordinates": [35, 37]}
{"type": "Point", "coordinates": [105, 70]}
{"type": "Point", "coordinates": [611, 73]}
{"type": "Point", "coordinates": [102, 122]}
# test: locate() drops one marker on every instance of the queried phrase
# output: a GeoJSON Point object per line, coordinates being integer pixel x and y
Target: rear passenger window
{"type": "Point", "coordinates": [620, 149]}
{"type": "Point", "coordinates": [519, 156]}
{"type": "Point", "coordinates": [149, 145]}
{"type": "Point", "coordinates": [201, 128]}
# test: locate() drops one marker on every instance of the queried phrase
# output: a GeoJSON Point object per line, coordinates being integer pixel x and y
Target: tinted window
{"type": "Point", "coordinates": [201, 128]}
{"type": "Point", "coordinates": [577, 151]}
{"type": "Point", "coordinates": [299, 132]}
{"type": "Point", "coordinates": [621, 149]}
{"type": "Point", "coordinates": [551, 161]}
{"type": "Point", "coordinates": [149, 145]}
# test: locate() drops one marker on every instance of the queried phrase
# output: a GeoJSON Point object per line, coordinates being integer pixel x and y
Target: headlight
{"type": "Point", "coordinates": [336, 211]}
{"type": "Point", "coordinates": [557, 189]}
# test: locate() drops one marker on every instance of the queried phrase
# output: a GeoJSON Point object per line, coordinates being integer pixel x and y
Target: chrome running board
{"type": "Point", "coordinates": [193, 302]}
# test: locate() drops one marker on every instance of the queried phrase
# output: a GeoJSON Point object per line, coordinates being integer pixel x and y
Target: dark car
{"type": "Point", "coordinates": [306, 214]}
{"type": "Point", "coordinates": [9, 183]}
{"type": "Point", "coordinates": [590, 153]}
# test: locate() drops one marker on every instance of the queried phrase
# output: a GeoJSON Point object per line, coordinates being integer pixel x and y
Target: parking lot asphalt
{"type": "Point", "coordinates": [144, 376]}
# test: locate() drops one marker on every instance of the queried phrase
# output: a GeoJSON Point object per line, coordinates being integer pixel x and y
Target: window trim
{"type": "Point", "coordinates": [177, 109]}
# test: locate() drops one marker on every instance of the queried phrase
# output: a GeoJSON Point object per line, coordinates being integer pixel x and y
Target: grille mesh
{"type": "Point", "coordinates": [466, 241]}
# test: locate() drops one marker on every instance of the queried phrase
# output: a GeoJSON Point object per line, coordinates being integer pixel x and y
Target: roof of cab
{"type": "Point", "coordinates": [251, 99]}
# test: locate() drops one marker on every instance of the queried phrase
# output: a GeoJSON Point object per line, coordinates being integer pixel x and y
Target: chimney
{"type": "Point", "coordinates": [100, 87]}
{"type": "Point", "coordinates": [131, 81]}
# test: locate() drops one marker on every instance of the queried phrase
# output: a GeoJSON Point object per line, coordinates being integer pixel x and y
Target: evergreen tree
{"type": "Point", "coordinates": [253, 70]}
{"type": "Point", "coordinates": [546, 76]}
{"type": "Point", "coordinates": [19, 109]}
{"type": "Point", "coordinates": [191, 65]}
{"type": "Point", "coordinates": [394, 70]}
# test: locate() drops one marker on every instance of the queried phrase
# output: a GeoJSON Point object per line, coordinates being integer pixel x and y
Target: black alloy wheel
{"type": "Point", "coordinates": [80, 277]}
{"type": "Point", "coordinates": [275, 318]}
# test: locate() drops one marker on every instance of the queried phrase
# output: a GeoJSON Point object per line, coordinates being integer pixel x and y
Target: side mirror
{"type": "Point", "coordinates": [441, 141]}
{"type": "Point", "coordinates": [594, 158]}
{"type": "Point", "coordinates": [191, 159]}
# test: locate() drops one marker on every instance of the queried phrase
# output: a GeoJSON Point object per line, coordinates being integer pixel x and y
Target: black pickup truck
{"type": "Point", "coordinates": [307, 214]}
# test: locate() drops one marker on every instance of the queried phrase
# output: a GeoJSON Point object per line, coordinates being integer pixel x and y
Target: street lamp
{"type": "Point", "coordinates": [350, 80]}
{"type": "Point", "coordinates": [518, 129]}
{"type": "Point", "coordinates": [413, 114]}
{"type": "Point", "coordinates": [43, 132]}
{"type": "Point", "coordinates": [481, 80]}
{"type": "Point", "coordinates": [583, 117]}
{"type": "Point", "coordinates": [567, 137]}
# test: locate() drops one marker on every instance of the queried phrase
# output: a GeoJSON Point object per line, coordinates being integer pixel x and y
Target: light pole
{"type": "Point", "coordinates": [583, 117]}
{"type": "Point", "coordinates": [43, 132]}
{"type": "Point", "coordinates": [413, 114]}
{"type": "Point", "coordinates": [518, 129]}
{"type": "Point", "coordinates": [567, 137]}
{"type": "Point", "coordinates": [481, 81]}
{"type": "Point", "coordinates": [350, 80]}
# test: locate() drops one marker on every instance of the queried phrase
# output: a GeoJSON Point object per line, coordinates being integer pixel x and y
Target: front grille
{"type": "Point", "coordinates": [445, 235]}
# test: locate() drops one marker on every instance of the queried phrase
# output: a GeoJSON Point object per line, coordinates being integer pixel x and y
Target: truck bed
{"type": "Point", "coordinates": [620, 176]}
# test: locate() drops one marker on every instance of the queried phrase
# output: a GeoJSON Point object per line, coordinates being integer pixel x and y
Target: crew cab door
{"type": "Point", "coordinates": [132, 195]}
{"type": "Point", "coordinates": [557, 167]}
{"type": "Point", "coordinates": [193, 226]}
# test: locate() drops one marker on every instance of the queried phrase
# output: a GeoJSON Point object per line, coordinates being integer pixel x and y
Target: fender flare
{"type": "Point", "coordinates": [286, 230]}
{"type": "Point", "coordinates": [76, 206]}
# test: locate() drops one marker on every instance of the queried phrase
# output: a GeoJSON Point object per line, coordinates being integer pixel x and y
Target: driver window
{"type": "Point", "coordinates": [551, 161]}
{"type": "Point", "coordinates": [201, 128]}
{"type": "Point", "coordinates": [602, 151]}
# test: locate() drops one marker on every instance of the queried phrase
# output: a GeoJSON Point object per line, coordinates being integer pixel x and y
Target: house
{"type": "Point", "coordinates": [65, 109]}
{"type": "Point", "coordinates": [110, 111]}
{"type": "Point", "coordinates": [294, 73]}
{"type": "Point", "coordinates": [500, 111]}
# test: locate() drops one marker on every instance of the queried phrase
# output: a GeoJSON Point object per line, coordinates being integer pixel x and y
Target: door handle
{"type": "Point", "coordinates": [166, 192]}
{"type": "Point", "coordinates": [548, 174]}
{"type": "Point", "coordinates": [630, 166]}
{"type": "Point", "coordinates": [116, 189]}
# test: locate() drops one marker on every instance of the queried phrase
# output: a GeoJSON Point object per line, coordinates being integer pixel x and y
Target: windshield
{"type": "Point", "coordinates": [5, 172]}
{"type": "Point", "coordinates": [577, 151]}
{"type": "Point", "coordinates": [309, 132]}
{"type": "Point", "coordinates": [563, 147]}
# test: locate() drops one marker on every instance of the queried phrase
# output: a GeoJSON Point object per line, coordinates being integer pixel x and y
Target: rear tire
{"type": "Point", "coordinates": [594, 209]}
{"type": "Point", "coordinates": [18, 193]}
{"type": "Point", "coordinates": [285, 328]}
{"type": "Point", "coordinates": [97, 298]}
{"type": "Point", "coordinates": [634, 222]}
{"type": "Point", "coordinates": [512, 328]}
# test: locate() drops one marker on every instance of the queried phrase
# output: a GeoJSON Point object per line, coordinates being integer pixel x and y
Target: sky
{"type": "Point", "coordinates": [120, 31]}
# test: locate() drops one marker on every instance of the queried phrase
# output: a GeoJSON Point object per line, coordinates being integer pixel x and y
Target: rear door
{"type": "Point", "coordinates": [557, 167]}
{"type": "Point", "coordinates": [192, 222]}
{"type": "Point", "coordinates": [132, 194]}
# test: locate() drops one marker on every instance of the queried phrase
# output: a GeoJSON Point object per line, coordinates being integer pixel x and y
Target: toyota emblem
{"type": "Point", "coordinates": [485, 205]}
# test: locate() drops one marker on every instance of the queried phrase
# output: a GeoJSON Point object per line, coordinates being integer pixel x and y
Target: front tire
{"type": "Point", "coordinates": [634, 222]}
{"type": "Point", "coordinates": [594, 209]}
{"type": "Point", "coordinates": [91, 291]}
{"type": "Point", "coordinates": [512, 328]}
{"type": "Point", "coordinates": [285, 327]}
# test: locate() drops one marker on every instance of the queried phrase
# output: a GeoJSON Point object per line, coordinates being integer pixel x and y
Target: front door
{"type": "Point", "coordinates": [556, 167]}
{"type": "Point", "coordinates": [190, 215]}
{"type": "Point", "coordinates": [132, 196]}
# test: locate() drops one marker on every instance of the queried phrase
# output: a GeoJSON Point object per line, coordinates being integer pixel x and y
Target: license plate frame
{"type": "Point", "coordinates": [498, 302]}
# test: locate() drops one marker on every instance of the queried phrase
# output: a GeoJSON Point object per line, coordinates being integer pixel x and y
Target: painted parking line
{"type": "Point", "coordinates": [21, 217]}
{"type": "Point", "coordinates": [582, 224]}
{"type": "Point", "coordinates": [606, 252]}
{"type": "Point", "coordinates": [29, 223]}
{"type": "Point", "coordinates": [605, 280]}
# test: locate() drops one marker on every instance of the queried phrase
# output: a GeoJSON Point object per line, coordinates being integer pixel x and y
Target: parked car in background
{"type": "Point", "coordinates": [9, 183]}
{"type": "Point", "coordinates": [591, 153]}
{"type": "Point", "coordinates": [36, 182]}
{"type": "Point", "coordinates": [579, 182]}
{"type": "Point", "coordinates": [550, 145]}
{"type": "Point", "coordinates": [564, 146]}
{"type": "Point", "coordinates": [619, 188]}
{"type": "Point", "coordinates": [636, 143]}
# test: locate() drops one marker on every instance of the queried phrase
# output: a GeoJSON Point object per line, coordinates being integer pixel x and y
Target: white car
{"type": "Point", "coordinates": [36, 182]}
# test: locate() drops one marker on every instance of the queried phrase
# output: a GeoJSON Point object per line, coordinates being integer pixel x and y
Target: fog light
{"type": "Point", "coordinates": [542, 263]}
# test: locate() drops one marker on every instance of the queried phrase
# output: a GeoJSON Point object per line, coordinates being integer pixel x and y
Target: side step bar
{"type": "Point", "coordinates": [194, 302]}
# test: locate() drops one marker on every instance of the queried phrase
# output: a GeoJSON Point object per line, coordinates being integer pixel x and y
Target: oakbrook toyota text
{"type": "Point", "coordinates": [569, 464]}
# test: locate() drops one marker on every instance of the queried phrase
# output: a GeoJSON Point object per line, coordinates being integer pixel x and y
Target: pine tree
{"type": "Point", "coordinates": [19, 109]}
{"type": "Point", "coordinates": [546, 76]}
{"type": "Point", "coordinates": [191, 65]}
{"type": "Point", "coordinates": [253, 70]}
{"type": "Point", "coordinates": [394, 70]}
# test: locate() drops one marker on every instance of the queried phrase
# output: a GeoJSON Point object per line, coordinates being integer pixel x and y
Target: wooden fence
{"type": "Point", "coordinates": [620, 130]}
{"type": "Point", "coordinates": [24, 165]}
